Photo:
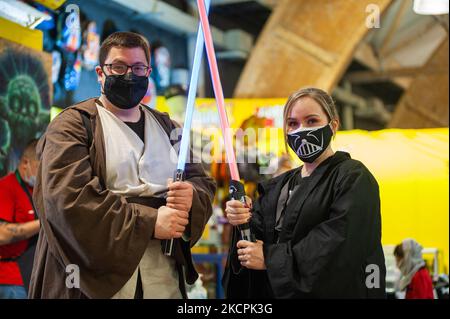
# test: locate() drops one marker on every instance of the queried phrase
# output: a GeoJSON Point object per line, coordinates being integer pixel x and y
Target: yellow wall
{"type": "Point", "coordinates": [51, 4]}
{"type": "Point", "coordinates": [16, 33]}
{"type": "Point", "coordinates": [411, 167]}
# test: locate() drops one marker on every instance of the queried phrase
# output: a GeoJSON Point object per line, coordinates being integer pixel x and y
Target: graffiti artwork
{"type": "Point", "coordinates": [25, 98]}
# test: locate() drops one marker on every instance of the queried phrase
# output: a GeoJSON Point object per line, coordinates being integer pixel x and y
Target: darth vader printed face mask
{"type": "Point", "coordinates": [310, 142]}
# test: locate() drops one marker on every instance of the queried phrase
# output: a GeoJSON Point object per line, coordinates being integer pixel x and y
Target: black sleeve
{"type": "Point", "coordinates": [294, 268]}
{"type": "Point", "coordinates": [257, 221]}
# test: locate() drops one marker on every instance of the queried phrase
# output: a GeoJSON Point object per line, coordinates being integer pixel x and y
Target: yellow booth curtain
{"type": "Point", "coordinates": [411, 167]}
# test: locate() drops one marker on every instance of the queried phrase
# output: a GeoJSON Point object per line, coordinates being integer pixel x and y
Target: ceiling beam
{"type": "Point", "coordinates": [425, 103]}
{"type": "Point", "coordinates": [365, 54]}
{"type": "Point", "coordinates": [394, 26]}
{"type": "Point", "coordinates": [266, 3]}
{"type": "Point", "coordinates": [172, 19]}
{"type": "Point", "coordinates": [305, 43]}
{"type": "Point", "coordinates": [386, 75]}
{"type": "Point", "coordinates": [413, 35]}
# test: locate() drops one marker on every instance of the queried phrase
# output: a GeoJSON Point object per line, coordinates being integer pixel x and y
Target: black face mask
{"type": "Point", "coordinates": [125, 91]}
{"type": "Point", "coordinates": [310, 143]}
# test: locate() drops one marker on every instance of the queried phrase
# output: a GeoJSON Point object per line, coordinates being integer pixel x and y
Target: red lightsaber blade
{"type": "Point", "coordinates": [236, 187]}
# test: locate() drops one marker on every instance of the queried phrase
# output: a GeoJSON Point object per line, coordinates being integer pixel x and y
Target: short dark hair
{"type": "Point", "coordinates": [125, 40]}
{"type": "Point", "coordinates": [30, 150]}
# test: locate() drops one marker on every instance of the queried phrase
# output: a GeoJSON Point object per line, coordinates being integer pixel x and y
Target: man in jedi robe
{"type": "Point", "coordinates": [103, 194]}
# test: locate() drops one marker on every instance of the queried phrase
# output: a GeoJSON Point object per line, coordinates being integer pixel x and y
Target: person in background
{"type": "Point", "coordinates": [18, 226]}
{"type": "Point", "coordinates": [284, 164]}
{"type": "Point", "coordinates": [415, 278]}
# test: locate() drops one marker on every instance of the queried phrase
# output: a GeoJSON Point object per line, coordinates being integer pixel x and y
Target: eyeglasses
{"type": "Point", "coordinates": [122, 69]}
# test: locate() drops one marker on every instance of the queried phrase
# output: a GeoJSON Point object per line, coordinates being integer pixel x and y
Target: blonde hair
{"type": "Point", "coordinates": [318, 95]}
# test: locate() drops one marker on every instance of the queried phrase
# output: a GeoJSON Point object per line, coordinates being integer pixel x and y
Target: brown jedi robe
{"type": "Point", "coordinates": [85, 224]}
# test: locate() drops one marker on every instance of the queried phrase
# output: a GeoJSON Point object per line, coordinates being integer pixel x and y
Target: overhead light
{"type": "Point", "coordinates": [432, 7]}
{"type": "Point", "coordinates": [21, 13]}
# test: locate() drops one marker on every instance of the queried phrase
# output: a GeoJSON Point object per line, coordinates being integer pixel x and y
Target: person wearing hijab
{"type": "Point", "coordinates": [415, 278]}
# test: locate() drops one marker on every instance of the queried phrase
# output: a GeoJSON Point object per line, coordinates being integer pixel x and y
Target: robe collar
{"type": "Point", "coordinates": [311, 183]}
{"type": "Point", "coordinates": [275, 185]}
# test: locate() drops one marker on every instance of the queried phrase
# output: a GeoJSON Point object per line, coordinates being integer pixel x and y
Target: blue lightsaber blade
{"type": "Point", "coordinates": [185, 135]}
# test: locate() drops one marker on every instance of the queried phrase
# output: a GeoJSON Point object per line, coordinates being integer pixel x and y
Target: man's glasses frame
{"type": "Point", "coordinates": [137, 69]}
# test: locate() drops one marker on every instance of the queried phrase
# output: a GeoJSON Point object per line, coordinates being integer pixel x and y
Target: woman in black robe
{"type": "Point", "coordinates": [318, 226]}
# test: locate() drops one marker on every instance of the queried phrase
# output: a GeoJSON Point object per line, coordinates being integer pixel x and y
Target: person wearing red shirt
{"type": "Point", "coordinates": [415, 279]}
{"type": "Point", "coordinates": [18, 226]}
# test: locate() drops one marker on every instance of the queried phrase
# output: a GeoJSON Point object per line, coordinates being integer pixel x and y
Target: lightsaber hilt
{"type": "Point", "coordinates": [237, 192]}
{"type": "Point", "coordinates": [167, 244]}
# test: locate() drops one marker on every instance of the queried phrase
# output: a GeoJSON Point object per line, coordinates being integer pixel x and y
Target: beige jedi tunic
{"type": "Point", "coordinates": [86, 224]}
{"type": "Point", "coordinates": [137, 169]}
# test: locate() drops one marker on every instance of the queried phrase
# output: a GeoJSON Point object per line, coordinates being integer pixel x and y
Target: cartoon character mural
{"type": "Point", "coordinates": [25, 97]}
